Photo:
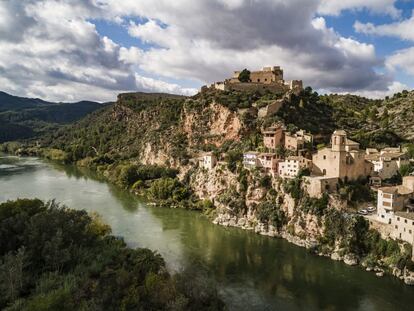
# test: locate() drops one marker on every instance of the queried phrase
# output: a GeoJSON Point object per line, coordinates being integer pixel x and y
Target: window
{"type": "Point", "coordinates": [396, 227]}
{"type": "Point", "coordinates": [405, 220]}
{"type": "Point", "coordinates": [388, 204]}
{"type": "Point", "coordinates": [398, 218]}
{"type": "Point", "coordinates": [409, 231]}
{"type": "Point", "coordinates": [258, 80]}
{"type": "Point", "coordinates": [324, 157]}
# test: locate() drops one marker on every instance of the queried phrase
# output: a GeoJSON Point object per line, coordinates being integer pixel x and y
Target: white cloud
{"type": "Point", "coordinates": [57, 54]}
{"type": "Point", "coordinates": [335, 7]}
{"type": "Point", "coordinates": [395, 87]}
{"type": "Point", "coordinates": [51, 48]}
{"type": "Point", "coordinates": [402, 60]}
{"type": "Point", "coordinates": [401, 29]}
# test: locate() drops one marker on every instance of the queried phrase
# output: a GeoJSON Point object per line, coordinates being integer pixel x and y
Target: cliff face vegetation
{"type": "Point", "coordinates": [150, 144]}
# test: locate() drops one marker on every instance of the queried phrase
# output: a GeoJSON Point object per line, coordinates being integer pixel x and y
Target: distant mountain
{"type": "Point", "coordinates": [22, 118]}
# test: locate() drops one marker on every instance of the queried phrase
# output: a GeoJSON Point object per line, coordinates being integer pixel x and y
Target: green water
{"type": "Point", "coordinates": [252, 272]}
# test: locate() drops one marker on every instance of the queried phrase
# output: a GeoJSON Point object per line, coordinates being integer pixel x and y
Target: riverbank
{"type": "Point", "coordinates": [253, 272]}
{"type": "Point", "coordinates": [198, 189]}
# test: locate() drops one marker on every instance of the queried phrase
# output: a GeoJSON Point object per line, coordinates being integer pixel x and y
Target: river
{"type": "Point", "coordinates": [253, 272]}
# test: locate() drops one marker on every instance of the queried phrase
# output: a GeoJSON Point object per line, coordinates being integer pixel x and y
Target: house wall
{"type": "Point", "coordinates": [317, 186]}
{"type": "Point", "coordinates": [388, 203]}
{"type": "Point", "coordinates": [403, 229]}
{"type": "Point", "coordinates": [209, 162]}
{"type": "Point", "coordinates": [271, 141]}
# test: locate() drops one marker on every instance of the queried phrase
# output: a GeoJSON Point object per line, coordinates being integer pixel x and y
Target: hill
{"type": "Point", "coordinates": [163, 128]}
{"type": "Point", "coordinates": [22, 118]}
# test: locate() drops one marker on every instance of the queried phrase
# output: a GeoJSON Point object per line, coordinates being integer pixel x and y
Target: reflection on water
{"type": "Point", "coordinates": [253, 272]}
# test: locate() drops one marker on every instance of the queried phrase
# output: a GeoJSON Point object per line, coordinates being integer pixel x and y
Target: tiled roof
{"type": "Point", "coordinates": [396, 190]}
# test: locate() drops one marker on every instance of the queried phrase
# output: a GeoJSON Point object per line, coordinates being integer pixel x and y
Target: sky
{"type": "Point", "coordinates": [75, 50]}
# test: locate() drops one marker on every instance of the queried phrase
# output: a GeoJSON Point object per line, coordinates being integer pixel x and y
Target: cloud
{"type": "Point", "coordinates": [402, 60]}
{"type": "Point", "coordinates": [253, 34]}
{"type": "Point", "coordinates": [51, 48]}
{"type": "Point", "coordinates": [335, 7]}
{"type": "Point", "coordinates": [401, 29]}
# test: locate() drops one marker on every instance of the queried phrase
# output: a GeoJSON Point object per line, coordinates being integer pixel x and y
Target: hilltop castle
{"type": "Point", "coordinates": [267, 79]}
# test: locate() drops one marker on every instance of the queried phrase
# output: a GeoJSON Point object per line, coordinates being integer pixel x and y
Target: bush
{"type": "Point", "coordinates": [168, 188]}
{"type": "Point", "coordinates": [269, 212]}
{"type": "Point", "coordinates": [54, 258]}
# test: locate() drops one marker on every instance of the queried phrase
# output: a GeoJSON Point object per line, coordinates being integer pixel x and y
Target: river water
{"type": "Point", "coordinates": [253, 272]}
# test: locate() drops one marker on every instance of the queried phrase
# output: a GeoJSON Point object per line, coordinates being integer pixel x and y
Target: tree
{"type": "Point", "coordinates": [244, 76]}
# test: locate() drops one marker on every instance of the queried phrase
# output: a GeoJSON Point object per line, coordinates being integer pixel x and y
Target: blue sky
{"type": "Point", "coordinates": [86, 49]}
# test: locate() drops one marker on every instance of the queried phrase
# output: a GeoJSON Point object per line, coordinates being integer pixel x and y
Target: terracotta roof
{"type": "Point", "coordinates": [392, 155]}
{"type": "Point", "coordinates": [400, 189]}
{"type": "Point", "coordinates": [407, 215]}
{"type": "Point", "coordinates": [351, 142]}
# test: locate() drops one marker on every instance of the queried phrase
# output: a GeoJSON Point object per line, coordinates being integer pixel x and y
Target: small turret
{"type": "Point", "coordinates": [338, 140]}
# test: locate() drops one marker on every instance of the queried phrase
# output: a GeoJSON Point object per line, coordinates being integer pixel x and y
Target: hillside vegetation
{"type": "Point", "coordinates": [54, 258]}
{"type": "Point", "coordinates": [22, 118]}
{"type": "Point", "coordinates": [172, 128]}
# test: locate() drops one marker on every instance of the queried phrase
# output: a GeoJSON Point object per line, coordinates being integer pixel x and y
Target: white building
{"type": "Point", "coordinates": [291, 167]}
{"type": "Point", "coordinates": [394, 199]}
{"type": "Point", "coordinates": [403, 226]}
{"type": "Point", "coordinates": [386, 164]}
{"type": "Point", "coordinates": [251, 160]}
{"type": "Point", "coordinates": [208, 161]}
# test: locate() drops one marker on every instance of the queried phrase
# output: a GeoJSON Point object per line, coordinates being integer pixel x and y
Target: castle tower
{"type": "Point", "coordinates": [338, 140]}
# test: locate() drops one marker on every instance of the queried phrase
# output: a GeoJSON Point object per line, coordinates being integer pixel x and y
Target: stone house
{"type": "Point", "coordinates": [386, 164]}
{"type": "Point", "coordinates": [403, 226]}
{"type": "Point", "coordinates": [296, 141]}
{"type": "Point", "coordinates": [208, 161]}
{"type": "Point", "coordinates": [291, 166]}
{"type": "Point", "coordinates": [273, 136]}
{"type": "Point", "coordinates": [394, 199]}
{"type": "Point", "coordinates": [251, 160]}
{"type": "Point", "coordinates": [269, 162]}
{"type": "Point", "coordinates": [316, 186]}
{"type": "Point", "coordinates": [342, 160]}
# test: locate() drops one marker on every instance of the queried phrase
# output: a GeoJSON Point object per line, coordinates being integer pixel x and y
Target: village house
{"type": "Point", "coordinates": [296, 141]}
{"type": "Point", "coordinates": [273, 136]}
{"type": "Point", "coordinates": [291, 166]}
{"type": "Point", "coordinates": [394, 199]}
{"type": "Point", "coordinates": [269, 162]}
{"type": "Point", "coordinates": [208, 161]}
{"type": "Point", "coordinates": [342, 160]}
{"type": "Point", "coordinates": [387, 162]}
{"type": "Point", "coordinates": [316, 186]}
{"type": "Point", "coordinates": [251, 160]}
{"type": "Point", "coordinates": [403, 226]}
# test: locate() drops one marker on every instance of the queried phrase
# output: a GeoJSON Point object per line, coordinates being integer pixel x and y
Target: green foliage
{"type": "Point", "coordinates": [315, 206]}
{"type": "Point", "coordinates": [356, 191]}
{"type": "Point", "coordinates": [233, 157]}
{"type": "Point", "coordinates": [270, 212]}
{"type": "Point", "coordinates": [405, 169]}
{"type": "Point", "coordinates": [265, 181]}
{"type": "Point", "coordinates": [168, 188]}
{"type": "Point", "coordinates": [244, 76]}
{"type": "Point", "coordinates": [233, 200]}
{"type": "Point", "coordinates": [127, 174]}
{"type": "Point", "coordinates": [54, 258]}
